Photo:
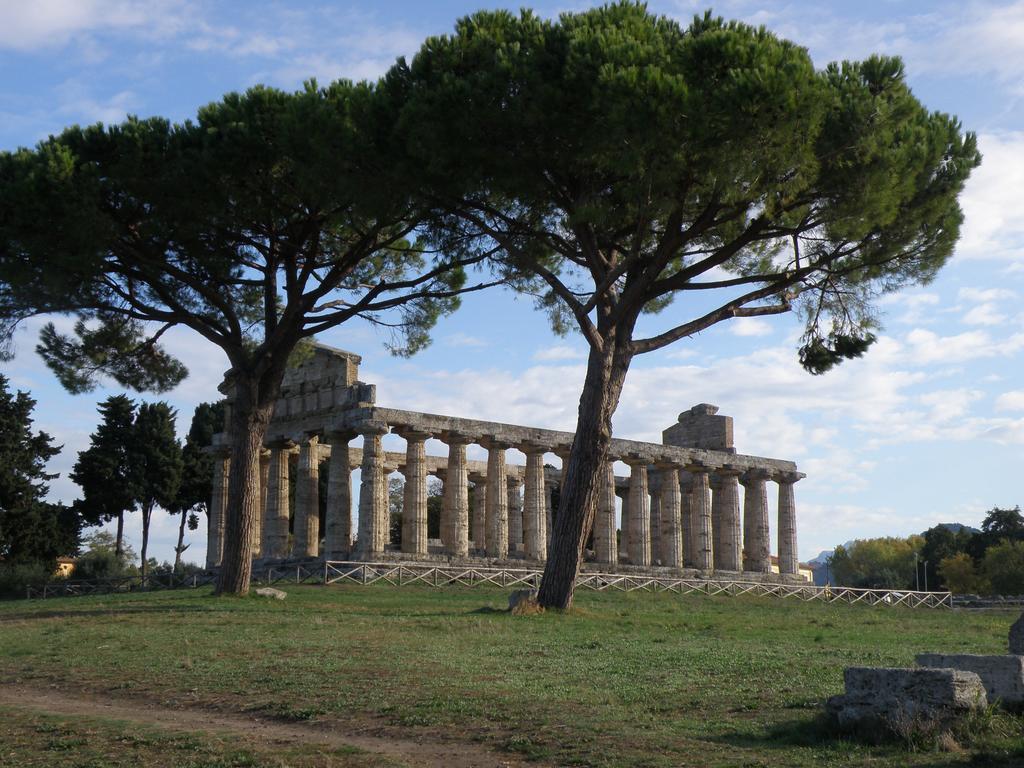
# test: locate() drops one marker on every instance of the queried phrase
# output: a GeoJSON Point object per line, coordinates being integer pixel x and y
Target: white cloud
{"type": "Point", "coordinates": [982, 38]}
{"type": "Point", "coordinates": [949, 404]}
{"type": "Point", "coordinates": [916, 306]}
{"type": "Point", "coordinates": [985, 295]}
{"type": "Point", "coordinates": [560, 352]}
{"type": "Point", "coordinates": [76, 104]}
{"type": "Point", "coordinates": [1011, 401]}
{"type": "Point", "coordinates": [993, 217]}
{"type": "Point", "coordinates": [683, 353]}
{"type": "Point", "coordinates": [926, 347]}
{"type": "Point", "coordinates": [27, 26]}
{"type": "Point", "coordinates": [984, 314]}
{"type": "Point", "coordinates": [749, 326]}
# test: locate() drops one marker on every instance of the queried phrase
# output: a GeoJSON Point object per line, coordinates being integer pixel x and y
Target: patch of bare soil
{"type": "Point", "coordinates": [404, 745]}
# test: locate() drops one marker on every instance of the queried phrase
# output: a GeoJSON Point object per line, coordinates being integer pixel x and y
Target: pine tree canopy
{"type": "Point", "coordinates": [630, 164]}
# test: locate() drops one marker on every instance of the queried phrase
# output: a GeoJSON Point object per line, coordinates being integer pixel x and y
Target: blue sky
{"type": "Point", "coordinates": [927, 428]}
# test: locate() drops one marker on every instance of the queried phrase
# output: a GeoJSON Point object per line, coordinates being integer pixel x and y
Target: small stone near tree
{"type": "Point", "coordinates": [277, 594]}
{"type": "Point", "coordinates": [1017, 637]}
{"type": "Point", "coordinates": [523, 602]}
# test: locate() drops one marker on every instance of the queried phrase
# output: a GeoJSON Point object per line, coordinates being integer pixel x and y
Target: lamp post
{"type": "Point", "coordinates": [917, 576]}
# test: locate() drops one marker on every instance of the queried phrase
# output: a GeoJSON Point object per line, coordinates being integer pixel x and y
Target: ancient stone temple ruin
{"type": "Point", "coordinates": [680, 505]}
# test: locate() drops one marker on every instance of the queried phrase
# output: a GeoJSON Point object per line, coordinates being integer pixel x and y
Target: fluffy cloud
{"type": "Point", "coordinates": [984, 314]}
{"type": "Point", "coordinates": [993, 218]}
{"type": "Point", "coordinates": [925, 347]}
{"type": "Point", "coordinates": [27, 26]}
{"type": "Point", "coordinates": [749, 326]}
{"type": "Point", "coordinates": [916, 307]}
{"type": "Point", "coordinates": [985, 295]}
{"type": "Point", "coordinates": [560, 352]}
{"type": "Point", "coordinates": [1011, 401]}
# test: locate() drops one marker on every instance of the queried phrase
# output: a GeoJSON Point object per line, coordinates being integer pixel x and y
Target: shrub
{"type": "Point", "coordinates": [15, 576]}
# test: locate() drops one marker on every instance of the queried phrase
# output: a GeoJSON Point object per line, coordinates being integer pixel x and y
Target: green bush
{"type": "Point", "coordinates": [14, 577]}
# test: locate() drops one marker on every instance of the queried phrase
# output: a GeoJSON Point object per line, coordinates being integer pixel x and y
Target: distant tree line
{"type": "Point", "coordinates": [134, 462]}
{"type": "Point", "coordinates": [33, 531]}
{"type": "Point", "coordinates": [959, 559]}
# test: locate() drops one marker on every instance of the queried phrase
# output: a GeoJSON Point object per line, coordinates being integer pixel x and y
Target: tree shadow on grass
{"type": "Point", "coordinates": [818, 732]}
{"type": "Point", "coordinates": [104, 610]}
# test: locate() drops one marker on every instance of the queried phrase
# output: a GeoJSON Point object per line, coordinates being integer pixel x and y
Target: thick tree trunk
{"type": "Point", "coordinates": [147, 514]}
{"type": "Point", "coordinates": [119, 541]}
{"type": "Point", "coordinates": [577, 504]}
{"type": "Point", "coordinates": [181, 541]}
{"type": "Point", "coordinates": [250, 415]}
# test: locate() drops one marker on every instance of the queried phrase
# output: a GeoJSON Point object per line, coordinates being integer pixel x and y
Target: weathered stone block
{"type": "Point", "coordinates": [1002, 676]}
{"type": "Point", "coordinates": [701, 427]}
{"type": "Point", "coordinates": [890, 698]}
{"type": "Point", "coordinates": [277, 594]}
{"type": "Point", "coordinates": [1017, 636]}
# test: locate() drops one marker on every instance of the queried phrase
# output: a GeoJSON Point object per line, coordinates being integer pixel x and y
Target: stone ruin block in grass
{"type": "Point", "coordinates": [523, 602]}
{"type": "Point", "coordinates": [1017, 636]}
{"type": "Point", "coordinates": [905, 700]}
{"type": "Point", "coordinates": [1002, 676]}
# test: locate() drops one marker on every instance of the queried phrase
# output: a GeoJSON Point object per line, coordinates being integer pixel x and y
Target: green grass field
{"type": "Point", "coordinates": [626, 680]}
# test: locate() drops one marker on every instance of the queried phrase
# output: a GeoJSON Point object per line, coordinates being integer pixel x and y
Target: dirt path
{"type": "Point", "coordinates": [392, 742]}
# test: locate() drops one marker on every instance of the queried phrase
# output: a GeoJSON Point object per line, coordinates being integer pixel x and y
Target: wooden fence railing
{"type": "Point", "coordinates": [444, 575]}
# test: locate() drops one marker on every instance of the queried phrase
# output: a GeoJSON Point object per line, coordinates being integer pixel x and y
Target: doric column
{"type": "Point", "coordinates": [756, 549]}
{"type": "Point", "coordinates": [624, 525]}
{"type": "Point", "coordinates": [654, 492]}
{"type": "Point", "coordinates": [549, 512]}
{"type": "Point", "coordinates": [686, 519]}
{"type": "Point", "coordinates": [639, 513]}
{"type": "Point", "coordinates": [497, 499]}
{"type": "Point", "coordinates": [455, 512]}
{"type": "Point", "coordinates": [700, 517]}
{"type": "Point", "coordinates": [788, 561]}
{"type": "Point", "coordinates": [479, 511]}
{"type": "Point", "coordinates": [535, 544]}
{"type": "Point", "coordinates": [725, 514]}
{"type": "Point", "coordinates": [275, 526]}
{"type": "Point", "coordinates": [515, 514]}
{"type": "Point", "coordinates": [338, 518]}
{"type": "Point", "coordinates": [605, 546]}
{"type": "Point", "coordinates": [218, 509]}
{"type": "Point", "coordinates": [257, 529]}
{"type": "Point", "coordinates": [671, 548]}
{"type": "Point", "coordinates": [373, 492]}
{"type": "Point", "coordinates": [414, 498]}
{"type": "Point", "coordinates": [306, 538]}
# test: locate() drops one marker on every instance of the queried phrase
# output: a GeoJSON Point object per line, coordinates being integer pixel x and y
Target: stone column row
{"type": "Point", "coordinates": [675, 516]}
{"type": "Point", "coordinates": [699, 521]}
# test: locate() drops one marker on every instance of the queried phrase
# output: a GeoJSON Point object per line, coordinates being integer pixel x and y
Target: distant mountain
{"type": "Point", "coordinates": [822, 558]}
